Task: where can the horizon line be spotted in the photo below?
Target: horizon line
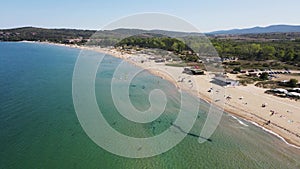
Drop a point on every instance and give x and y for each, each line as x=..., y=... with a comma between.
x=216, y=30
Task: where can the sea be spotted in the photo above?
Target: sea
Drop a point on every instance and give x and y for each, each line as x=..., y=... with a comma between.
x=39, y=127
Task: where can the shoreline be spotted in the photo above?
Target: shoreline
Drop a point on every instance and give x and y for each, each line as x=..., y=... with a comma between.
x=233, y=115
x=260, y=122
x=288, y=137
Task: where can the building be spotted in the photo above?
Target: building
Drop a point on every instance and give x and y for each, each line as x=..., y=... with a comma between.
x=193, y=71
x=159, y=60
x=197, y=72
x=223, y=81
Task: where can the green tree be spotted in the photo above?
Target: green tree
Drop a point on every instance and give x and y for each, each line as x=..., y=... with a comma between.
x=264, y=76
x=290, y=55
x=253, y=50
x=237, y=69
x=281, y=54
x=219, y=50
x=292, y=83
x=268, y=52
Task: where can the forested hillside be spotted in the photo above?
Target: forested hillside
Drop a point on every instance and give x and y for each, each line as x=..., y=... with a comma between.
x=282, y=47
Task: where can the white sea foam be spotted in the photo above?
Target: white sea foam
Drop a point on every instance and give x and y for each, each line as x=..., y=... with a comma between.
x=240, y=121
x=275, y=134
x=265, y=129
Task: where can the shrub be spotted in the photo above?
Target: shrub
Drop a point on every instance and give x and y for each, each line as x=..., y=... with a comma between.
x=237, y=69
x=264, y=76
x=292, y=83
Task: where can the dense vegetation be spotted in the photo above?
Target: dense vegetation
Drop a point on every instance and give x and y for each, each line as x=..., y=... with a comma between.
x=276, y=50
x=40, y=34
x=159, y=42
x=286, y=51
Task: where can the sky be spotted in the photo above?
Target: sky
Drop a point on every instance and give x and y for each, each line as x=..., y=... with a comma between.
x=206, y=15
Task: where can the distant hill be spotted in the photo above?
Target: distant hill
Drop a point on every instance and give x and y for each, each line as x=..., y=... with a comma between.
x=130, y=32
x=43, y=34
x=258, y=30
x=75, y=36
x=278, y=42
x=60, y=35
x=111, y=37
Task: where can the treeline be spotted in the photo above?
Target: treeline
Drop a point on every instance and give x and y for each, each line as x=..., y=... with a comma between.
x=273, y=36
x=286, y=51
x=160, y=42
x=283, y=47
x=40, y=34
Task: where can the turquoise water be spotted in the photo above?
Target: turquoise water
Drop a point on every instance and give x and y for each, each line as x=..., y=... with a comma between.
x=39, y=127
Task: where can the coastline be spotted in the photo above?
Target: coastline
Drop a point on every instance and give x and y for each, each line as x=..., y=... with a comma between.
x=291, y=138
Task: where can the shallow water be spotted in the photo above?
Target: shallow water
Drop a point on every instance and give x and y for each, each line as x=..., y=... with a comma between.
x=39, y=127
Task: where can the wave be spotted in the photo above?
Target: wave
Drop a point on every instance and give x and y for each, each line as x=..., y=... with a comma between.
x=240, y=121
x=275, y=134
x=265, y=129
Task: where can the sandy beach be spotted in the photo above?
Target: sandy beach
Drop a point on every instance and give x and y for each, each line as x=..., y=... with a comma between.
x=281, y=116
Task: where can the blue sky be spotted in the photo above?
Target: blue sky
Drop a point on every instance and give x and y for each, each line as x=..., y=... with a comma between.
x=208, y=15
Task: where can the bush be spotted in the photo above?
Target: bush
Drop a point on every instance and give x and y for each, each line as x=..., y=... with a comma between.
x=232, y=63
x=292, y=83
x=237, y=69
x=264, y=76
x=265, y=65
